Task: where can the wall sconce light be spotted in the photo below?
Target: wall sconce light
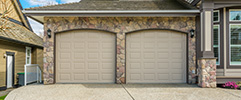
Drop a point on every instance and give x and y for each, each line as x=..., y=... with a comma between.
x=49, y=33
x=192, y=33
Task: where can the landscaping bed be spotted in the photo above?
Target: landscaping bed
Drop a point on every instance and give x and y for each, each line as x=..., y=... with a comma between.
x=232, y=85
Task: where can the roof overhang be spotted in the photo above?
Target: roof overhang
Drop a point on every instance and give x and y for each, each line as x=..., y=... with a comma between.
x=39, y=15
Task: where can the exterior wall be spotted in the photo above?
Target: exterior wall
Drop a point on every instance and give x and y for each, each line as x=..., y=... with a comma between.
x=119, y=25
x=19, y=51
x=37, y=57
x=20, y=55
x=207, y=72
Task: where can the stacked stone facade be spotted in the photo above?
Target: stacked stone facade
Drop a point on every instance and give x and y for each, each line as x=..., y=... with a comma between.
x=207, y=72
x=120, y=26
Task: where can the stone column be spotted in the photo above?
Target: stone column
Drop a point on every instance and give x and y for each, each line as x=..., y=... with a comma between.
x=120, y=56
x=207, y=72
x=48, y=68
x=207, y=62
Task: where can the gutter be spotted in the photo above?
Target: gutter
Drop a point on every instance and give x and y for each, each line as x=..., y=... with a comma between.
x=113, y=12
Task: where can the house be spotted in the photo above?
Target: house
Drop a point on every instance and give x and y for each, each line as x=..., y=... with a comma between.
x=18, y=44
x=149, y=41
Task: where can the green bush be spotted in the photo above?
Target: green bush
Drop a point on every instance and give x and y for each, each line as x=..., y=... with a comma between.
x=3, y=97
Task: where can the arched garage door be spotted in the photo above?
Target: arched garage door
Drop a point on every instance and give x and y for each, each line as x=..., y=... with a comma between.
x=85, y=56
x=156, y=56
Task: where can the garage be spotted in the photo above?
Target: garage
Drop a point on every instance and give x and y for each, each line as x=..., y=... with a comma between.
x=156, y=56
x=85, y=56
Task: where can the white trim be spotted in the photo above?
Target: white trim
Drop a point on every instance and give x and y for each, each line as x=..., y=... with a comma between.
x=225, y=41
x=113, y=12
x=218, y=43
x=230, y=15
x=30, y=56
x=230, y=44
x=218, y=15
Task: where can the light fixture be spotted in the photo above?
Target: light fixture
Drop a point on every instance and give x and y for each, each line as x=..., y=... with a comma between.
x=49, y=33
x=192, y=33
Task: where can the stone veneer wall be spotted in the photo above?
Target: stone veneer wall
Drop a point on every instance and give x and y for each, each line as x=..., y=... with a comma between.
x=207, y=72
x=119, y=25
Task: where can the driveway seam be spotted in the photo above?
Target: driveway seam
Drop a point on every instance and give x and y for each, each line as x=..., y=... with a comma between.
x=128, y=92
x=231, y=93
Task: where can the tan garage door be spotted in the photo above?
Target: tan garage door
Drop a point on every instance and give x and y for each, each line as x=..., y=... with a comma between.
x=156, y=56
x=85, y=56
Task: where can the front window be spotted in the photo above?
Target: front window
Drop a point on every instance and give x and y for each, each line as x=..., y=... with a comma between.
x=235, y=15
x=235, y=44
x=216, y=16
x=28, y=55
x=216, y=44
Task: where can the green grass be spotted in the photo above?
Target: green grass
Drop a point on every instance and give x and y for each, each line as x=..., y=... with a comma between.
x=3, y=97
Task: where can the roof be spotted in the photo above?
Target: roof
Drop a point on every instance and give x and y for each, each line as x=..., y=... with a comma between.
x=22, y=16
x=94, y=5
x=193, y=2
x=20, y=34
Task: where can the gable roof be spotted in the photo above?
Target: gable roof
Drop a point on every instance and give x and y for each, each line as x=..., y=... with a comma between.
x=20, y=34
x=15, y=14
x=95, y=5
x=22, y=15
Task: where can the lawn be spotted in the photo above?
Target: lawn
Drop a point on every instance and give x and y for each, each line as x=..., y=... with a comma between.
x=3, y=97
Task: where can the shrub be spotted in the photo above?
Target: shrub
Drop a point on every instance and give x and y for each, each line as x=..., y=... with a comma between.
x=231, y=85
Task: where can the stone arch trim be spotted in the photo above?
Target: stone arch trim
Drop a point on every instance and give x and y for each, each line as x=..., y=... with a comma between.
x=157, y=29
x=58, y=32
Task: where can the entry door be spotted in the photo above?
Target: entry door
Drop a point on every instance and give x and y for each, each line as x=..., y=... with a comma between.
x=9, y=71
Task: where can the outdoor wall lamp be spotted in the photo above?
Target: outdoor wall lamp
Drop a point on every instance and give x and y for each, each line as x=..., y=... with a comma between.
x=49, y=33
x=192, y=33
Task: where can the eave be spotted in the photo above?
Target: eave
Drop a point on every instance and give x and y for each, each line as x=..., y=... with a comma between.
x=39, y=15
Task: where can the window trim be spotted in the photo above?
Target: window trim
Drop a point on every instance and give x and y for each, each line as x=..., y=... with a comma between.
x=30, y=56
x=218, y=16
x=219, y=51
x=229, y=13
x=230, y=45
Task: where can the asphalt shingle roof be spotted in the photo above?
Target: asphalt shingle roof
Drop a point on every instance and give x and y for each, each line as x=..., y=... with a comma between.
x=95, y=5
x=20, y=33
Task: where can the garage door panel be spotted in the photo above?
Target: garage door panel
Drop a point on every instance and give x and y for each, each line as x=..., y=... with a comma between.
x=64, y=66
x=162, y=65
x=149, y=76
x=135, y=55
x=157, y=57
x=79, y=76
x=88, y=57
x=134, y=65
x=163, y=77
x=79, y=65
x=79, y=45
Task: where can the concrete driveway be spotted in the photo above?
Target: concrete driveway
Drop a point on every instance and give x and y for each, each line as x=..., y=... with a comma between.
x=122, y=92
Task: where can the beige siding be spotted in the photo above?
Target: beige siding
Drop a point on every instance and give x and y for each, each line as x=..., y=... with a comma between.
x=19, y=51
x=13, y=12
x=37, y=57
x=220, y=72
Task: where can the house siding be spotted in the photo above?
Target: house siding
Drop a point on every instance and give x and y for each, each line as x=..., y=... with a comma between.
x=20, y=55
x=19, y=51
x=121, y=26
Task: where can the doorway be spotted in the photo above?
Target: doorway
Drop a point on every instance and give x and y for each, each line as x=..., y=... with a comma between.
x=10, y=69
